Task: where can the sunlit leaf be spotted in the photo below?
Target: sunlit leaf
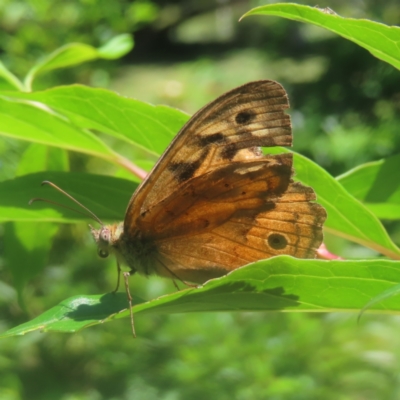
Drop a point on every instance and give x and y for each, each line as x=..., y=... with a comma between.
x=27, y=243
x=386, y=294
x=381, y=40
x=75, y=313
x=139, y=123
x=117, y=47
x=377, y=185
x=10, y=77
x=26, y=248
x=77, y=53
x=106, y=196
x=277, y=284
x=38, y=158
x=34, y=123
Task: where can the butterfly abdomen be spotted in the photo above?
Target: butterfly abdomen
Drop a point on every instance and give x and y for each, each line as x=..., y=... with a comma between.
x=137, y=253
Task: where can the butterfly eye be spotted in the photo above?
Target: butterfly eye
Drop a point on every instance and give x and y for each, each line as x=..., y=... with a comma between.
x=103, y=253
x=105, y=235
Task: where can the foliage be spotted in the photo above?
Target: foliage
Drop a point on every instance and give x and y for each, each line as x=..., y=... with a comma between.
x=379, y=39
x=65, y=118
x=85, y=108
x=32, y=29
x=67, y=56
x=280, y=283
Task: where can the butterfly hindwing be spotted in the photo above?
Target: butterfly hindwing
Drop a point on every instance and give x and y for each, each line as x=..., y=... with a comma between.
x=260, y=215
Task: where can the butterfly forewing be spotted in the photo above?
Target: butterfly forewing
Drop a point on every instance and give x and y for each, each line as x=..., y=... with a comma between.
x=249, y=116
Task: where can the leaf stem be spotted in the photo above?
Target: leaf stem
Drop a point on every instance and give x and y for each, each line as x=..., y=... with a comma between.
x=393, y=254
x=324, y=254
x=131, y=167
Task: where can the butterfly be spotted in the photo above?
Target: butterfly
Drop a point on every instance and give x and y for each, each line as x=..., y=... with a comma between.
x=214, y=202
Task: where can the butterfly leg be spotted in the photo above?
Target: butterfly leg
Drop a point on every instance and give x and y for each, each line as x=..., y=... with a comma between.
x=128, y=294
x=192, y=285
x=175, y=276
x=119, y=277
x=175, y=284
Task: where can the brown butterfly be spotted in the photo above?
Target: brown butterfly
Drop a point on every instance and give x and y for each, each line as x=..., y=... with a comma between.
x=214, y=202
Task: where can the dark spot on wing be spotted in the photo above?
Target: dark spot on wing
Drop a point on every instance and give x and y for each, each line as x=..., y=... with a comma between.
x=249, y=213
x=210, y=139
x=229, y=151
x=170, y=213
x=183, y=171
x=244, y=117
x=277, y=241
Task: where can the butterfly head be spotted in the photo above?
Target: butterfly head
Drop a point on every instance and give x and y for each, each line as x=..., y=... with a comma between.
x=106, y=238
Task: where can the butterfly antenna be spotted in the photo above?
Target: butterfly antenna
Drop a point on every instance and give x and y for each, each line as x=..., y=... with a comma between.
x=59, y=205
x=88, y=212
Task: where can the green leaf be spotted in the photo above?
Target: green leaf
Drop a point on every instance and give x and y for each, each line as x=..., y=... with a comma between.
x=75, y=313
x=38, y=158
x=279, y=283
x=27, y=244
x=77, y=53
x=386, y=294
x=10, y=77
x=117, y=47
x=377, y=185
x=106, y=196
x=35, y=123
x=347, y=217
x=381, y=40
x=139, y=123
x=26, y=248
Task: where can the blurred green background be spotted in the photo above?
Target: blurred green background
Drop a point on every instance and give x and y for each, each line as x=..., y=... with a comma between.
x=345, y=111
